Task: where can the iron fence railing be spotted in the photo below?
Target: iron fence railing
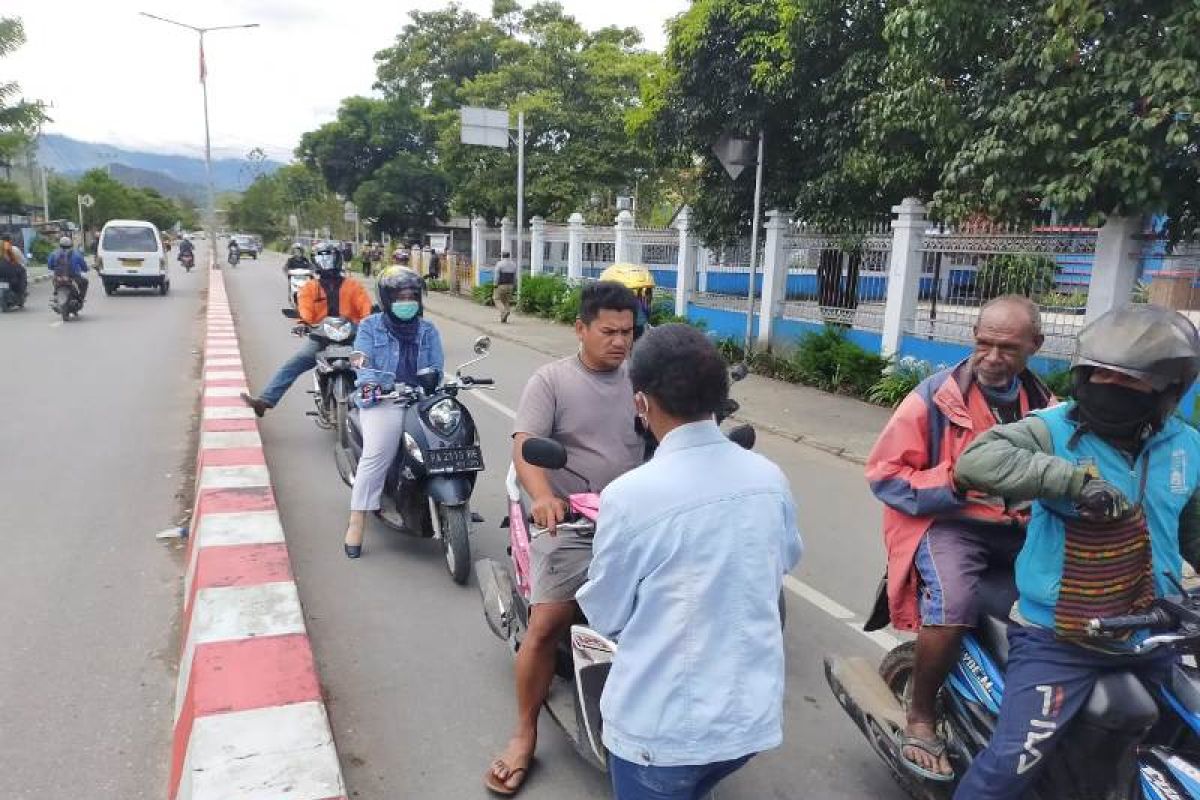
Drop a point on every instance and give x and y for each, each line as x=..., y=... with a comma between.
x=964, y=268
x=838, y=277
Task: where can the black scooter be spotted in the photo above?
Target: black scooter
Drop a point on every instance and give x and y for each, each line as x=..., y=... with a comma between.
x=429, y=486
x=10, y=298
x=66, y=300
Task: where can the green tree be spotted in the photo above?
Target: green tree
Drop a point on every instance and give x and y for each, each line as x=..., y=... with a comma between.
x=1094, y=109
x=11, y=201
x=798, y=70
x=405, y=196
x=18, y=118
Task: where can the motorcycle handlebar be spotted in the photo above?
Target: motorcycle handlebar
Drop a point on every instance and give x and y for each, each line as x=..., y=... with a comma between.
x=1155, y=618
x=483, y=382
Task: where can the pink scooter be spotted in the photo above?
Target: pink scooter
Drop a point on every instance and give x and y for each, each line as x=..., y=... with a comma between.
x=586, y=657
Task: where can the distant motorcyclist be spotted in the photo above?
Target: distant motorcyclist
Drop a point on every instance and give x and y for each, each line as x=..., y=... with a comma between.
x=67, y=260
x=330, y=294
x=235, y=252
x=297, y=259
x=1116, y=491
x=186, y=248
x=12, y=266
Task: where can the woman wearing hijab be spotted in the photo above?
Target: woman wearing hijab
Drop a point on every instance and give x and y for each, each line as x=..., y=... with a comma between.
x=392, y=347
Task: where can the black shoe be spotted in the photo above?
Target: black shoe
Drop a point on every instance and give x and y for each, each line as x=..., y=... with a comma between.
x=260, y=406
x=352, y=550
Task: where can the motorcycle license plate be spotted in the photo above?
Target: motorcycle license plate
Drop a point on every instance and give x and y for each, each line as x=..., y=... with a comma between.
x=131, y=262
x=455, y=459
x=337, y=351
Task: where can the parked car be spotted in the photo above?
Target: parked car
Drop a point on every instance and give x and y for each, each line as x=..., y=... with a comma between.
x=130, y=253
x=247, y=246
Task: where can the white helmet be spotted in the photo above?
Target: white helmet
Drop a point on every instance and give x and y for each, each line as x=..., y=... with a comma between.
x=66, y=242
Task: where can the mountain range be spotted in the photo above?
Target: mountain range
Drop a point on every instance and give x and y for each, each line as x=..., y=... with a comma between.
x=171, y=174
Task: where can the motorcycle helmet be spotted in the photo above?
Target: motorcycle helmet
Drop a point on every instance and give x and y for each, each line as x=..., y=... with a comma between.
x=66, y=243
x=399, y=285
x=1152, y=344
x=327, y=258
x=400, y=257
x=298, y=249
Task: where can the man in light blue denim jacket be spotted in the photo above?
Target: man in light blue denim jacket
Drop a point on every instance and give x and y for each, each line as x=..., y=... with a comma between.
x=690, y=553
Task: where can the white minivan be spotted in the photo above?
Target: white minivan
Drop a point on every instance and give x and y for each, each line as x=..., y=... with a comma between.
x=131, y=253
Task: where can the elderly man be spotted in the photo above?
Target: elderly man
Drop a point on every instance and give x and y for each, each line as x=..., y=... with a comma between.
x=941, y=542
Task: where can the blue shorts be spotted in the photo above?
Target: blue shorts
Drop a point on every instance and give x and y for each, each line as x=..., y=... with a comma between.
x=951, y=559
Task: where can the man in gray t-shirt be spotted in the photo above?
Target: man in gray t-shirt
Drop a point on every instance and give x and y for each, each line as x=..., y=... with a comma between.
x=586, y=403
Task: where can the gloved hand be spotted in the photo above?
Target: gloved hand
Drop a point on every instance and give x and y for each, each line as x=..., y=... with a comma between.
x=1100, y=501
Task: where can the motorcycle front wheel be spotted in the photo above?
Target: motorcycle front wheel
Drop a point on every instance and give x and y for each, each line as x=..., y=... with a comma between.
x=456, y=521
x=341, y=443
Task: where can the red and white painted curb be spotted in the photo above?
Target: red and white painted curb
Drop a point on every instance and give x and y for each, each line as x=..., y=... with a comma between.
x=250, y=722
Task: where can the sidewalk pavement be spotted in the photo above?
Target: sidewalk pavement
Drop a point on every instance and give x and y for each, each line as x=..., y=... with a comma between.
x=843, y=426
x=37, y=274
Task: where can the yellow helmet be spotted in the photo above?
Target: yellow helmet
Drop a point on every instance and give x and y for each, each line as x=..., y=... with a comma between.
x=631, y=276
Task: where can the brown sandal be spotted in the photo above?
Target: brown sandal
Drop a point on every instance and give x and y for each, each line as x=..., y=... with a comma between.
x=494, y=784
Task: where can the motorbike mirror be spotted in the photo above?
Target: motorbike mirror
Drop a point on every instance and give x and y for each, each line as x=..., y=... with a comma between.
x=544, y=453
x=290, y=313
x=739, y=371
x=482, y=346
x=743, y=436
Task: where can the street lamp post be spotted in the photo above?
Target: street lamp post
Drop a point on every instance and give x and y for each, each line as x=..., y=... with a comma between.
x=212, y=199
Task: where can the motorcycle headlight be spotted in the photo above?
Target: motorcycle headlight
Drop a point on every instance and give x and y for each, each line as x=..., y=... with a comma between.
x=444, y=416
x=413, y=449
x=337, y=330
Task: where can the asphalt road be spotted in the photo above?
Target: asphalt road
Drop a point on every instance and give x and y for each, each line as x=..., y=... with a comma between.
x=420, y=692
x=95, y=417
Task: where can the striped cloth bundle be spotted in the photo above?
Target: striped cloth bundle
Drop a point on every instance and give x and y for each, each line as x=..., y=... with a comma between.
x=1107, y=571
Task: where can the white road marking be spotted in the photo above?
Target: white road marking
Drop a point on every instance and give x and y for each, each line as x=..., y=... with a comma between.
x=794, y=585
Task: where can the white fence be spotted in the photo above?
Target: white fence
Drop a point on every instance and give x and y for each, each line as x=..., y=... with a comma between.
x=906, y=276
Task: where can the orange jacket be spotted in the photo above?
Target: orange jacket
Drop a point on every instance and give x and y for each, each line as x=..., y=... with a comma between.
x=353, y=302
x=911, y=470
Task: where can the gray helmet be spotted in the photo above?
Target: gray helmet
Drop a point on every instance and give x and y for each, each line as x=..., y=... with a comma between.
x=1150, y=343
x=65, y=242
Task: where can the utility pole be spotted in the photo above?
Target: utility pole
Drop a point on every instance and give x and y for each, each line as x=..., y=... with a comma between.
x=211, y=222
x=758, y=181
x=520, y=193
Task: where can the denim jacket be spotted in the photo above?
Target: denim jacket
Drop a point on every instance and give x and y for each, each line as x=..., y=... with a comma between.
x=382, y=350
x=689, y=555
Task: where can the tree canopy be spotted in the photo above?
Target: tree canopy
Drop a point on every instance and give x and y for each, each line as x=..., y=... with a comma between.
x=575, y=86
x=294, y=189
x=1004, y=108
x=115, y=200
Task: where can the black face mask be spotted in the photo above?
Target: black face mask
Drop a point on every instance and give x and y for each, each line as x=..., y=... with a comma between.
x=1118, y=412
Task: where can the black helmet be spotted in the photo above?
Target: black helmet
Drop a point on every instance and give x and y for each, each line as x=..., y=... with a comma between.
x=1150, y=343
x=327, y=258
x=395, y=279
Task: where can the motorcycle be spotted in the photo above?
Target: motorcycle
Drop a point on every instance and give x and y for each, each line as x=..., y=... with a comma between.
x=66, y=299
x=333, y=378
x=1129, y=741
x=585, y=658
x=432, y=478
x=235, y=255
x=10, y=298
x=296, y=280
x=188, y=260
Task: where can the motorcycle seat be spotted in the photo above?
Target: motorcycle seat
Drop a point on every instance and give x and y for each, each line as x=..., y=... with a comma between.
x=1120, y=702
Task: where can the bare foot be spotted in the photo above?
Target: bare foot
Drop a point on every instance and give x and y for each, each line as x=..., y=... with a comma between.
x=510, y=767
x=931, y=761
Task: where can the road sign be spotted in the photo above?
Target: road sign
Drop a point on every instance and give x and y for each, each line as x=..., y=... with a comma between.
x=734, y=153
x=86, y=200
x=485, y=126
x=293, y=223
x=351, y=214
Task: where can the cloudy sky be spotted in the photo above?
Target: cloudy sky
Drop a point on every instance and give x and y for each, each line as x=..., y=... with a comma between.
x=119, y=78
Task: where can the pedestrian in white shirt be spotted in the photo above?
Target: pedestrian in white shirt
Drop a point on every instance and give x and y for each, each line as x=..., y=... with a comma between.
x=690, y=553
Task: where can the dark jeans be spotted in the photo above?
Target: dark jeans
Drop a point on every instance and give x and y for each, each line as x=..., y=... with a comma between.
x=1046, y=683
x=304, y=360
x=636, y=782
